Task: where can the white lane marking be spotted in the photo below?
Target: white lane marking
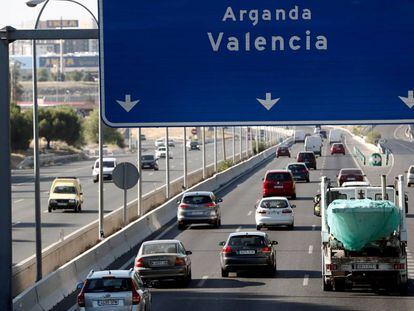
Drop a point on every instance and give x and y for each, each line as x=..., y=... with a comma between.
x=151, y=174
x=238, y=229
x=306, y=280
x=396, y=130
x=202, y=281
x=310, y=251
x=313, y=227
x=16, y=223
x=249, y=213
x=18, y=201
x=45, y=211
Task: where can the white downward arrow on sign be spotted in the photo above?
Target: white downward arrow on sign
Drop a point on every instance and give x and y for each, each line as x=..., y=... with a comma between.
x=409, y=101
x=268, y=103
x=128, y=104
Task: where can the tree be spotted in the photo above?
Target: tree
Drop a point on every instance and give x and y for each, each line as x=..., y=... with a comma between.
x=74, y=75
x=15, y=76
x=59, y=124
x=20, y=128
x=90, y=130
x=43, y=75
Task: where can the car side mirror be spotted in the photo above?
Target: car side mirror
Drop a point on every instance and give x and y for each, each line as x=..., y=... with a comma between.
x=79, y=286
x=293, y=206
x=275, y=243
x=188, y=252
x=178, y=201
x=222, y=243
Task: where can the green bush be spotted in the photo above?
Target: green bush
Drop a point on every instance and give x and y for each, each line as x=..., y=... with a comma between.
x=90, y=131
x=262, y=147
x=224, y=165
x=21, y=130
x=373, y=137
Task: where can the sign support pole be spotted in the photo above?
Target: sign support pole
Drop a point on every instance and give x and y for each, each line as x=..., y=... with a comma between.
x=234, y=145
x=215, y=149
x=139, y=155
x=203, y=142
x=185, y=156
x=247, y=141
x=125, y=196
x=167, y=165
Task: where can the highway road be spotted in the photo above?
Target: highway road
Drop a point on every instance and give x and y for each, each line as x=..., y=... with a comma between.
x=61, y=223
x=297, y=284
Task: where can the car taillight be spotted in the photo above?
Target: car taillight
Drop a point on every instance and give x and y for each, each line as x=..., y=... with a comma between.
x=331, y=267
x=136, y=298
x=183, y=205
x=139, y=262
x=286, y=211
x=399, y=266
x=261, y=211
x=266, y=249
x=81, y=298
x=226, y=250
x=210, y=204
x=179, y=261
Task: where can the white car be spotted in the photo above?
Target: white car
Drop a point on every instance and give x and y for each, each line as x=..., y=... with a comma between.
x=160, y=142
x=109, y=165
x=274, y=211
x=161, y=152
x=410, y=176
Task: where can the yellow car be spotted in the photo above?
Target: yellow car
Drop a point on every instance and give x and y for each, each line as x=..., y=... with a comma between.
x=65, y=193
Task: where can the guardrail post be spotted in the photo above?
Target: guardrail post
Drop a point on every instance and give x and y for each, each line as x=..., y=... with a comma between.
x=139, y=155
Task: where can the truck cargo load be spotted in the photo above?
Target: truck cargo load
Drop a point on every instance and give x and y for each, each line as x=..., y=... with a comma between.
x=355, y=223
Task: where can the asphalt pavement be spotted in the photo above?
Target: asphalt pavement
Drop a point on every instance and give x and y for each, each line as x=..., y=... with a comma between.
x=297, y=284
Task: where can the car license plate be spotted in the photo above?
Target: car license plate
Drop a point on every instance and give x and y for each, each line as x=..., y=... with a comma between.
x=62, y=204
x=365, y=266
x=159, y=263
x=247, y=252
x=278, y=187
x=351, y=178
x=197, y=213
x=105, y=176
x=108, y=302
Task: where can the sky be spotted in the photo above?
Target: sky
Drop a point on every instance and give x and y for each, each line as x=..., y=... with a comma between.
x=17, y=14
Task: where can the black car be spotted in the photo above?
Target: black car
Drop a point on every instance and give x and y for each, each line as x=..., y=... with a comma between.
x=247, y=250
x=307, y=157
x=299, y=171
x=149, y=161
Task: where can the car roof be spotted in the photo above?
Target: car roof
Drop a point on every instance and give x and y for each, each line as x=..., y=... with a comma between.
x=160, y=242
x=65, y=183
x=302, y=152
x=273, y=198
x=278, y=171
x=296, y=163
x=337, y=144
x=355, y=184
x=350, y=169
x=247, y=233
x=114, y=273
x=186, y=194
x=107, y=159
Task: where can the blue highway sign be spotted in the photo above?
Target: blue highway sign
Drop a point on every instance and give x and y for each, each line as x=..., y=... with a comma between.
x=244, y=62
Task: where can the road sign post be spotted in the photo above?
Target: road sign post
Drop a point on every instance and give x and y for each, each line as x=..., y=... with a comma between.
x=125, y=176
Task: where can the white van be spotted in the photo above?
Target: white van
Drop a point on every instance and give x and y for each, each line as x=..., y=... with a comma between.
x=299, y=136
x=314, y=143
x=108, y=167
x=335, y=136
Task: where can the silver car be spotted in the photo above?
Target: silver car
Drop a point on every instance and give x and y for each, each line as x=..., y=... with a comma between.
x=198, y=208
x=113, y=290
x=410, y=176
x=163, y=260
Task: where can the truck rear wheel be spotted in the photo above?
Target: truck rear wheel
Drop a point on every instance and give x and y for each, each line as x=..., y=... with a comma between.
x=326, y=286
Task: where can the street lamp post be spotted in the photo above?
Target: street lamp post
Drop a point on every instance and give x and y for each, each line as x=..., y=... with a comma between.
x=38, y=230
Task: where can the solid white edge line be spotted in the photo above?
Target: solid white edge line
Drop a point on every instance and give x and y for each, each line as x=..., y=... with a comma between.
x=18, y=201
x=202, y=281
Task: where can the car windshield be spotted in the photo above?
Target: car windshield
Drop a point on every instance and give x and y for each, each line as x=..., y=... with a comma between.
x=108, y=285
x=248, y=240
x=197, y=199
x=162, y=149
x=296, y=167
x=65, y=189
x=283, y=149
x=274, y=204
x=278, y=177
x=411, y=170
x=351, y=172
x=159, y=248
x=147, y=157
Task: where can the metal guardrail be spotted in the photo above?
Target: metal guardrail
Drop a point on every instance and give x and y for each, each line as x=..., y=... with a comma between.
x=360, y=155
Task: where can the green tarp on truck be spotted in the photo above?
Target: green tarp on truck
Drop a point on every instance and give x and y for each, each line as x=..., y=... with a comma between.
x=355, y=223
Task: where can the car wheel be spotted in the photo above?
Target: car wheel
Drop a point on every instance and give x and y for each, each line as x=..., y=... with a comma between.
x=291, y=227
x=156, y=168
x=294, y=196
x=49, y=209
x=307, y=180
x=181, y=227
x=224, y=273
x=326, y=287
x=258, y=227
x=80, y=208
x=95, y=180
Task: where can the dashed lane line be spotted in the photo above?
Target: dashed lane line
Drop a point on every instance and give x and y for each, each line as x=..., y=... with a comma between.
x=249, y=213
x=310, y=251
x=305, y=280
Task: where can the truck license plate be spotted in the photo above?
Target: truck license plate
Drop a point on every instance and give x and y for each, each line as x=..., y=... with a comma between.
x=365, y=266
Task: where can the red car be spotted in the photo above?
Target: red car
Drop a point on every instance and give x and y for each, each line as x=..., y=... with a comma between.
x=279, y=183
x=350, y=174
x=337, y=148
x=282, y=152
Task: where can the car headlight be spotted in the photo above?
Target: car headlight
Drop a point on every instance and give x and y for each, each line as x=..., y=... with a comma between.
x=72, y=201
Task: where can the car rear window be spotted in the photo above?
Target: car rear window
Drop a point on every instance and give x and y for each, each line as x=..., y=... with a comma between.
x=197, y=199
x=65, y=189
x=274, y=204
x=412, y=170
x=108, y=285
x=278, y=177
x=249, y=241
x=147, y=157
x=296, y=167
x=159, y=248
x=337, y=145
x=351, y=172
x=305, y=156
